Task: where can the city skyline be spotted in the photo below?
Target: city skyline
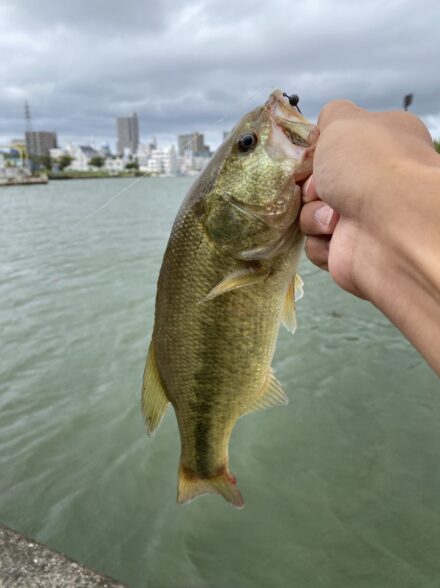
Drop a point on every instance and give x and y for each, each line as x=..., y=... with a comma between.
x=19, y=135
x=149, y=58
x=41, y=150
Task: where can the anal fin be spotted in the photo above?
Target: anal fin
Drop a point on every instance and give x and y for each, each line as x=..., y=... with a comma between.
x=271, y=395
x=154, y=400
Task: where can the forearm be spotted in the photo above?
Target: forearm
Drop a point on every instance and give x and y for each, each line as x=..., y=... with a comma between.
x=404, y=274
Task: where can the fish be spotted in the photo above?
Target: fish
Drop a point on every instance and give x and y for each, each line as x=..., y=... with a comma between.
x=227, y=281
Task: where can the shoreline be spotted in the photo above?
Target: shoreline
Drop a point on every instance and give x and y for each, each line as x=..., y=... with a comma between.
x=29, y=181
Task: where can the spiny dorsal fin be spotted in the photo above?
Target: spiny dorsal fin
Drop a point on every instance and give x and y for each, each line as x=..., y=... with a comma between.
x=272, y=395
x=294, y=292
x=154, y=400
x=237, y=279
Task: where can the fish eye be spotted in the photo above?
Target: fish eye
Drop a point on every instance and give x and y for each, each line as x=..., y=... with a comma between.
x=247, y=142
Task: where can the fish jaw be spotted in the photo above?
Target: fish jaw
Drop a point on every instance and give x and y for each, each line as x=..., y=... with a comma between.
x=292, y=136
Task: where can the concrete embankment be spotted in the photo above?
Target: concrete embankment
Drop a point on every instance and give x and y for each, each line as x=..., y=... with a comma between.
x=24, y=563
x=23, y=180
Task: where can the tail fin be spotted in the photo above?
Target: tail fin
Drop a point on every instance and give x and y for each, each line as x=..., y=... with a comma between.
x=190, y=487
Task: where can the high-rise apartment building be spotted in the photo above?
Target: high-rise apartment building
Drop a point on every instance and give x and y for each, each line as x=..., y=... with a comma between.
x=128, y=134
x=39, y=143
x=193, y=142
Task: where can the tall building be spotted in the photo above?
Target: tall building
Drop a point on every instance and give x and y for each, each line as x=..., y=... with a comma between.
x=193, y=142
x=39, y=143
x=128, y=134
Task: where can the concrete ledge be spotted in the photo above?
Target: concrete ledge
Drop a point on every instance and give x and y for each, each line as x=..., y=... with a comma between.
x=24, y=563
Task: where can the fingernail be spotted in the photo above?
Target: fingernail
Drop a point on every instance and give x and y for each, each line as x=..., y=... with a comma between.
x=306, y=185
x=324, y=215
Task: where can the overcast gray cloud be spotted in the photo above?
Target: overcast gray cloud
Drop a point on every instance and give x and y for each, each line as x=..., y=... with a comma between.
x=181, y=65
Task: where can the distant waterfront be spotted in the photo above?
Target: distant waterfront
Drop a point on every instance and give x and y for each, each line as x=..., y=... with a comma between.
x=25, y=180
x=93, y=175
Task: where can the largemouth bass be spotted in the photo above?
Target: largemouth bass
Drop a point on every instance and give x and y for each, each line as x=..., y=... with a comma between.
x=228, y=279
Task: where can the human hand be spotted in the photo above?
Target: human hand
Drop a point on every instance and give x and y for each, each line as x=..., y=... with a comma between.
x=362, y=191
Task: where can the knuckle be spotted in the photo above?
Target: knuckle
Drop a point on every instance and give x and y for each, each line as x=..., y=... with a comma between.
x=334, y=109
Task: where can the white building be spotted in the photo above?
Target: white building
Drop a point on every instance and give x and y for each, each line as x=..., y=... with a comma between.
x=114, y=165
x=81, y=157
x=191, y=164
x=105, y=151
x=200, y=162
x=162, y=161
x=57, y=153
x=143, y=155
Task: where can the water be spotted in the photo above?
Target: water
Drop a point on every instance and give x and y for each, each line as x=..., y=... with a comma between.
x=342, y=487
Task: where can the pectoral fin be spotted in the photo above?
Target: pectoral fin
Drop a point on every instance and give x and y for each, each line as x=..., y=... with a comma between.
x=271, y=395
x=238, y=279
x=294, y=292
x=154, y=400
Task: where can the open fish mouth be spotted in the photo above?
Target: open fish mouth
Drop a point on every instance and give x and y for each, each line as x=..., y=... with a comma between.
x=289, y=118
x=292, y=135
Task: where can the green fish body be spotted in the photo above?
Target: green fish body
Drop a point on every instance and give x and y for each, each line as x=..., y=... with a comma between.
x=228, y=278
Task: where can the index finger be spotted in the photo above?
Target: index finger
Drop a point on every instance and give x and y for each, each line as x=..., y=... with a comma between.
x=337, y=109
x=309, y=190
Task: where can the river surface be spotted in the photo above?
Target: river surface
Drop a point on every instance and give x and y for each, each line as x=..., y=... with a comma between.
x=342, y=487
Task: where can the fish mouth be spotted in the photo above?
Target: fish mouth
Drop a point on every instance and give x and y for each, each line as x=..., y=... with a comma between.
x=292, y=135
x=295, y=126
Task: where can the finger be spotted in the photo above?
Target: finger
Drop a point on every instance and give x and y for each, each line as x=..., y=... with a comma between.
x=338, y=109
x=318, y=218
x=309, y=190
x=317, y=250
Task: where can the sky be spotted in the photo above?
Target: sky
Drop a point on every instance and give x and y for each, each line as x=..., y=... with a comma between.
x=187, y=65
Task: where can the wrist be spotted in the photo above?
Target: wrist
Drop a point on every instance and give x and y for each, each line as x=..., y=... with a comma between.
x=401, y=271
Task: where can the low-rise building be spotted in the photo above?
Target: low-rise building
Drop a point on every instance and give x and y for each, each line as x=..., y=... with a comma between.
x=191, y=164
x=82, y=154
x=57, y=153
x=142, y=156
x=114, y=165
x=162, y=161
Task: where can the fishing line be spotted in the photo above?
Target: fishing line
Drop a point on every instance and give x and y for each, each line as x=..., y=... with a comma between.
x=54, y=240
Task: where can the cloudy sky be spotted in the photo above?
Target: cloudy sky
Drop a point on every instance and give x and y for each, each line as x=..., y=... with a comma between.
x=185, y=64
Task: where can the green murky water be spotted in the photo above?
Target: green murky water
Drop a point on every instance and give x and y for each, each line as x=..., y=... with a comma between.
x=342, y=487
